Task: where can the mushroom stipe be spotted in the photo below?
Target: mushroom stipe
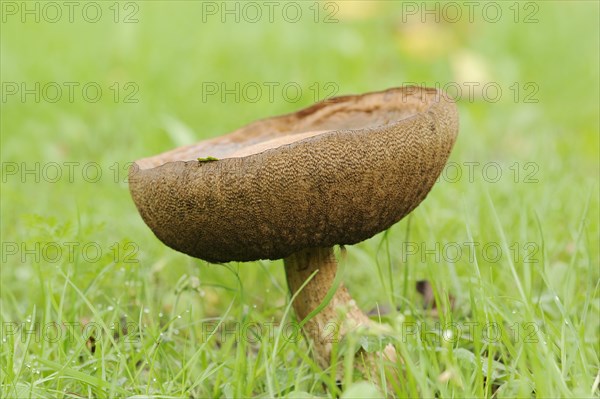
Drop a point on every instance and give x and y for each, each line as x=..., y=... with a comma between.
x=292, y=187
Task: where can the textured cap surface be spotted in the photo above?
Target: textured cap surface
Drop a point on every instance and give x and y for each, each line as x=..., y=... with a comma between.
x=377, y=158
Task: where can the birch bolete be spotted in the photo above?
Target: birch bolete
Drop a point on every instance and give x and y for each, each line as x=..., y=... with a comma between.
x=292, y=187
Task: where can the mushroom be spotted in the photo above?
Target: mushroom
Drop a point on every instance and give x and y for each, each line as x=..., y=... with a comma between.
x=292, y=187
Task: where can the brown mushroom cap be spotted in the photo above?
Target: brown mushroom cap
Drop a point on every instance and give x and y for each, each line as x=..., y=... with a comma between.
x=377, y=157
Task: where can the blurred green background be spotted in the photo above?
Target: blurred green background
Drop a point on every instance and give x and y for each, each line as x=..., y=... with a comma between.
x=156, y=62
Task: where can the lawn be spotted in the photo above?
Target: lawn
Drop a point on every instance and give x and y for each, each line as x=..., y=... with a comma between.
x=94, y=305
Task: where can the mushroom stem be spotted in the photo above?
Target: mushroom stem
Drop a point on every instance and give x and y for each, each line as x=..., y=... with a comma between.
x=322, y=327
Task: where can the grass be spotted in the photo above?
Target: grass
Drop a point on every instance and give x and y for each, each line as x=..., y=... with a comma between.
x=93, y=305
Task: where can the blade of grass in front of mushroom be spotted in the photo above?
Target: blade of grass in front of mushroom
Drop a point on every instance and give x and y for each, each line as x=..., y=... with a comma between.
x=330, y=293
x=405, y=264
x=390, y=276
x=288, y=307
